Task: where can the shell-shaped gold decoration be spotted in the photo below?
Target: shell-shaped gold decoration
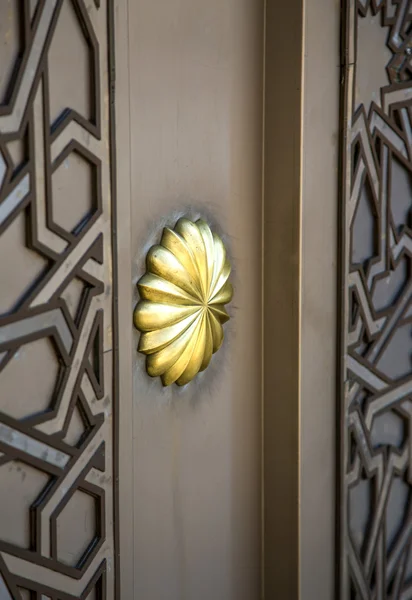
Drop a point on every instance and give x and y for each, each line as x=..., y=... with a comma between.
x=182, y=308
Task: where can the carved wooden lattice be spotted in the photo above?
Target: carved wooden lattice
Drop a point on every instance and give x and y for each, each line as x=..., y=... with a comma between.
x=376, y=408
x=57, y=368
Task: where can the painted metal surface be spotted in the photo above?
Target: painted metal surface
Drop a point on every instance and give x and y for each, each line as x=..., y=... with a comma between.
x=194, y=132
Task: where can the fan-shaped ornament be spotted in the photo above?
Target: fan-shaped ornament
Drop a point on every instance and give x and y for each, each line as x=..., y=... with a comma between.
x=182, y=308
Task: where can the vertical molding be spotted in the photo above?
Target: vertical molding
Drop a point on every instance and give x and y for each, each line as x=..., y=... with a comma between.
x=124, y=301
x=115, y=283
x=300, y=274
x=346, y=66
x=318, y=348
x=282, y=230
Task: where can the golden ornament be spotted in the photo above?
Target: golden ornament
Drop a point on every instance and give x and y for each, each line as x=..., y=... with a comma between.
x=183, y=293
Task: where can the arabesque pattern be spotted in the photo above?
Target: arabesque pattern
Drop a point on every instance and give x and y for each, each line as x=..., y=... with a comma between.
x=376, y=399
x=57, y=363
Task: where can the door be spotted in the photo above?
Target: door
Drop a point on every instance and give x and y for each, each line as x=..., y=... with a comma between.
x=282, y=468
x=117, y=119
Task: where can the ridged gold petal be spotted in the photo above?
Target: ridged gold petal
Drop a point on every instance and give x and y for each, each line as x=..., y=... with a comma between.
x=179, y=367
x=222, y=277
x=224, y=295
x=160, y=362
x=190, y=232
x=180, y=249
x=182, y=307
x=155, y=289
x=163, y=263
x=217, y=331
x=208, y=351
x=195, y=362
x=152, y=316
x=219, y=311
x=219, y=263
x=209, y=247
x=156, y=340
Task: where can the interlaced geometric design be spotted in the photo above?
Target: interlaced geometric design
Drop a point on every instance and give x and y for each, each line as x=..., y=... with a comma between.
x=376, y=400
x=57, y=359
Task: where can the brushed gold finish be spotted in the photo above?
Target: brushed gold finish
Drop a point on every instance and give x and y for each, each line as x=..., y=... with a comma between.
x=182, y=308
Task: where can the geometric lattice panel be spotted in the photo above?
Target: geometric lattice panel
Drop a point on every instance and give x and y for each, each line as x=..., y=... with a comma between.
x=57, y=360
x=375, y=499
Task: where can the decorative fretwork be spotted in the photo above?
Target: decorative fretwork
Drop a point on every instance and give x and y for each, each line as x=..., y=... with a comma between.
x=57, y=363
x=376, y=400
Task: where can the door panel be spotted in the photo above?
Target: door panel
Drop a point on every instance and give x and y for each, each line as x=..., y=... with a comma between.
x=57, y=335
x=195, y=76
